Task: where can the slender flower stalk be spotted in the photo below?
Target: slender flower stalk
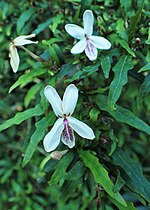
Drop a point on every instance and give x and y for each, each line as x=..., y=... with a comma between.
x=65, y=125
x=13, y=53
x=88, y=42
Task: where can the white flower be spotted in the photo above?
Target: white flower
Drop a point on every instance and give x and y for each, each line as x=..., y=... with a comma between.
x=87, y=42
x=13, y=53
x=65, y=126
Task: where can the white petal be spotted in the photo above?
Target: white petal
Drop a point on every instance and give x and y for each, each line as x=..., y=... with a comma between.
x=88, y=20
x=14, y=57
x=52, y=139
x=100, y=42
x=54, y=99
x=81, y=128
x=79, y=47
x=91, y=51
x=70, y=99
x=75, y=31
x=22, y=40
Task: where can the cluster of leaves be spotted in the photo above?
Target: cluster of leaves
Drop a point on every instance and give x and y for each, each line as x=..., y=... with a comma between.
x=105, y=173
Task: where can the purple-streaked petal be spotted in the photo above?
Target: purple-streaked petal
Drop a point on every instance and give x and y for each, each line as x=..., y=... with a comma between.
x=75, y=31
x=91, y=51
x=54, y=99
x=88, y=21
x=70, y=99
x=100, y=42
x=14, y=57
x=23, y=40
x=81, y=128
x=67, y=136
x=52, y=139
x=79, y=47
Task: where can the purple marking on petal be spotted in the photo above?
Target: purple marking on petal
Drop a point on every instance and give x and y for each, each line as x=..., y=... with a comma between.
x=67, y=133
x=90, y=47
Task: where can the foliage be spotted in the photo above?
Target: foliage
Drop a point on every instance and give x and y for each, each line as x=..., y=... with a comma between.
x=110, y=172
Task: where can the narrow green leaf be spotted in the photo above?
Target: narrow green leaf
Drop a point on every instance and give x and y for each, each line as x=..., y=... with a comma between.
x=145, y=68
x=134, y=22
x=60, y=171
x=106, y=65
x=114, y=141
x=132, y=174
x=27, y=78
x=25, y=16
x=120, y=79
x=130, y=205
x=31, y=93
x=75, y=172
x=144, y=90
x=125, y=45
x=123, y=115
x=100, y=175
x=41, y=27
x=37, y=136
x=22, y=116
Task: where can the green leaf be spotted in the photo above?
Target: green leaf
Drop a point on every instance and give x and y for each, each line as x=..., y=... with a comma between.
x=122, y=115
x=125, y=45
x=31, y=94
x=121, y=31
x=94, y=114
x=86, y=71
x=130, y=205
x=120, y=79
x=134, y=22
x=75, y=172
x=37, y=136
x=145, y=68
x=106, y=65
x=27, y=78
x=60, y=171
x=22, y=116
x=100, y=175
x=132, y=174
x=114, y=141
x=41, y=27
x=25, y=16
x=127, y=5
x=144, y=90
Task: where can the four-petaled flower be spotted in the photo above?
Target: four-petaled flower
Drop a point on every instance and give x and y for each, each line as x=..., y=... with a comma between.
x=13, y=53
x=87, y=42
x=65, y=126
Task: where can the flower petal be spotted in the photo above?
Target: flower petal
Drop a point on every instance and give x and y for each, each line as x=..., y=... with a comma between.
x=70, y=98
x=81, y=128
x=79, y=47
x=75, y=31
x=22, y=40
x=54, y=99
x=100, y=42
x=67, y=136
x=52, y=139
x=88, y=21
x=91, y=51
x=14, y=57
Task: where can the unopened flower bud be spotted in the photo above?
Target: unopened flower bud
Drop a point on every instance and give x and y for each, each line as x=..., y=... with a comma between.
x=57, y=155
